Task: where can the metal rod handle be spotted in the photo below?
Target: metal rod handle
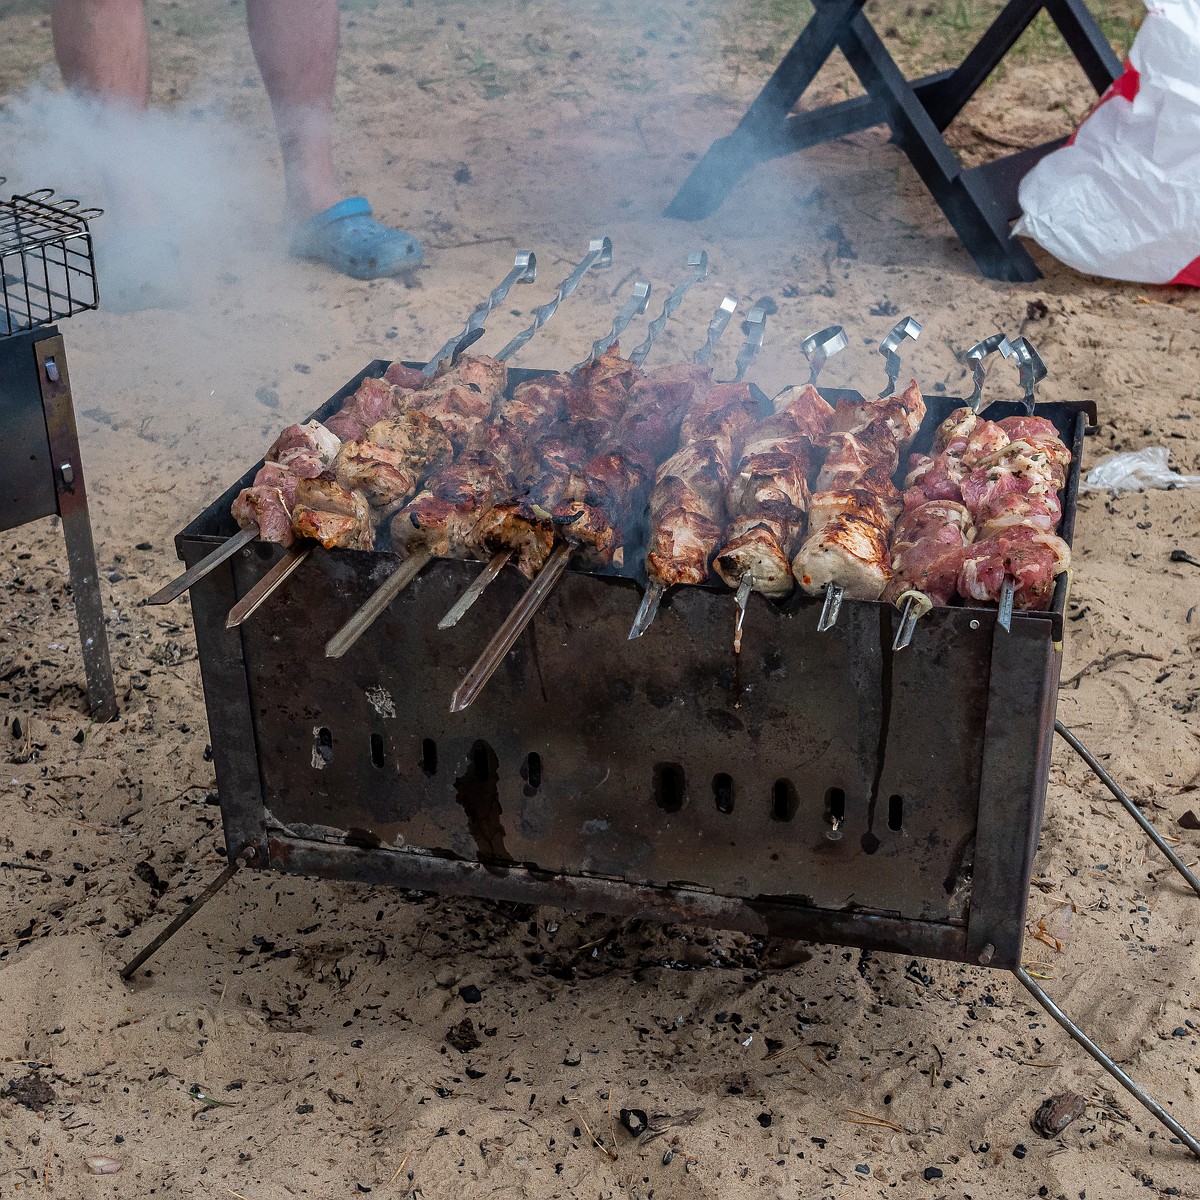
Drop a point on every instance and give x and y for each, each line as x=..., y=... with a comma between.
x=975, y=357
x=599, y=255
x=698, y=261
x=716, y=327
x=820, y=347
x=1030, y=368
x=633, y=307
x=908, y=328
x=755, y=326
x=524, y=270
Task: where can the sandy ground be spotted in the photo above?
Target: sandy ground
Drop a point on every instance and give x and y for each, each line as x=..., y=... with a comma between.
x=317, y=1014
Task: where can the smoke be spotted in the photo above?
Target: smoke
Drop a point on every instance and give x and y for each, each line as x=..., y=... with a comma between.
x=182, y=189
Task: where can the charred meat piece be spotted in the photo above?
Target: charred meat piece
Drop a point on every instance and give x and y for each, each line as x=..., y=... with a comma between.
x=807, y=411
x=849, y=550
x=757, y=546
x=333, y=515
x=682, y=544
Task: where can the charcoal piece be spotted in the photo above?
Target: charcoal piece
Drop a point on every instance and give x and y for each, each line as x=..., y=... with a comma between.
x=463, y=1036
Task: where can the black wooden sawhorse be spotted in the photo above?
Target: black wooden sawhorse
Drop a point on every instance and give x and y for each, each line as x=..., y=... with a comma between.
x=980, y=202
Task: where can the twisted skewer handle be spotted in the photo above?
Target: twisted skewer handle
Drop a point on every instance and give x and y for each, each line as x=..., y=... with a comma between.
x=908, y=328
x=975, y=357
x=1031, y=369
x=755, y=326
x=633, y=307
x=698, y=261
x=716, y=327
x=599, y=255
x=524, y=270
x=820, y=347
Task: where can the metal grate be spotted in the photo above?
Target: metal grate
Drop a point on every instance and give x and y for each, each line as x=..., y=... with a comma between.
x=47, y=267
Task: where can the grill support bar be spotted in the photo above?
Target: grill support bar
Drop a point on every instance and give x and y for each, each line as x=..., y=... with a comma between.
x=1077, y=1035
x=1131, y=808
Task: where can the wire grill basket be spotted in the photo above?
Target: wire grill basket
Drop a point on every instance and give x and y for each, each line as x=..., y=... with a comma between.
x=47, y=266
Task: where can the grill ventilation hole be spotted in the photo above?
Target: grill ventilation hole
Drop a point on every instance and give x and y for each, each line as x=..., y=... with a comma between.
x=895, y=813
x=835, y=812
x=429, y=756
x=377, y=749
x=669, y=786
x=723, y=792
x=532, y=771
x=322, y=754
x=784, y=801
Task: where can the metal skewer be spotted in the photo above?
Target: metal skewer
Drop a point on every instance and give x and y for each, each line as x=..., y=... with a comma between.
x=541, y=587
x=634, y=306
x=975, y=357
x=514, y=625
x=524, y=270
x=819, y=348
x=1031, y=368
x=916, y=605
x=208, y=564
x=599, y=255
x=908, y=328
x=258, y=595
x=754, y=327
x=743, y=598
x=1004, y=612
x=716, y=327
x=698, y=261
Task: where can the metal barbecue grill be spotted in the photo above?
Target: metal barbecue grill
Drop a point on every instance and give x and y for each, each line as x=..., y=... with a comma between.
x=47, y=273
x=804, y=788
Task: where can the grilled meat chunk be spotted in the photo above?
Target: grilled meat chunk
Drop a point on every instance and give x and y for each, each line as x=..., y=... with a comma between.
x=388, y=462
x=266, y=505
x=1032, y=557
x=333, y=515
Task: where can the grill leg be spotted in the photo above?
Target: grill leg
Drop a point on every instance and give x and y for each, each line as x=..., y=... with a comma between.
x=1131, y=808
x=1077, y=1035
x=77, y=528
x=188, y=913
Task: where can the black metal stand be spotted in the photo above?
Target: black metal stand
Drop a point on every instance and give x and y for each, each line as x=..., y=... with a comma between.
x=979, y=202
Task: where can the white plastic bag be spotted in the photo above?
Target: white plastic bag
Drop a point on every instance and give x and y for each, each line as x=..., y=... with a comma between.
x=1135, y=471
x=1122, y=200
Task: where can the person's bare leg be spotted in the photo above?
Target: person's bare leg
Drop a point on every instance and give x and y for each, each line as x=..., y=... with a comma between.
x=296, y=48
x=102, y=50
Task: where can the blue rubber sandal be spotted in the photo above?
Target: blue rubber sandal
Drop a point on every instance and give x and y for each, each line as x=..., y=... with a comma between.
x=347, y=238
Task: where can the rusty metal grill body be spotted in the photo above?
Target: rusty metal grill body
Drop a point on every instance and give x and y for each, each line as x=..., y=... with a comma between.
x=821, y=787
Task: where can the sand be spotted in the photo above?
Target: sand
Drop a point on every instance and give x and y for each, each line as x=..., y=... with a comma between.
x=318, y=1014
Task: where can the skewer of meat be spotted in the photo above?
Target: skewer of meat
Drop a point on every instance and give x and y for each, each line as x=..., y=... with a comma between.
x=547, y=390
x=501, y=526
x=653, y=421
x=460, y=418
x=396, y=376
x=1013, y=495
x=687, y=505
x=441, y=518
x=767, y=500
x=855, y=503
x=340, y=508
